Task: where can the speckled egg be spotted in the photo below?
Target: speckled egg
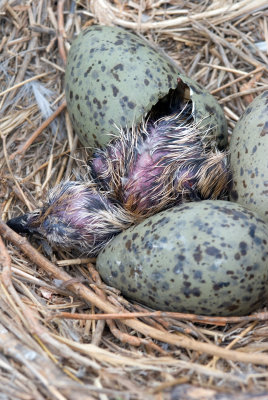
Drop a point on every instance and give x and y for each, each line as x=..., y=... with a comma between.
x=114, y=78
x=249, y=157
x=208, y=257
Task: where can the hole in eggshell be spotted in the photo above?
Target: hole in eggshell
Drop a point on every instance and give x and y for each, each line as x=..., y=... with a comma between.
x=177, y=100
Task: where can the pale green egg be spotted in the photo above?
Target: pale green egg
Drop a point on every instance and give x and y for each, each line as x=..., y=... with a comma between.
x=114, y=78
x=208, y=257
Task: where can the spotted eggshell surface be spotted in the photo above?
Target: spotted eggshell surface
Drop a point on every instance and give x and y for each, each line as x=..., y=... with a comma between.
x=208, y=257
x=249, y=157
x=113, y=78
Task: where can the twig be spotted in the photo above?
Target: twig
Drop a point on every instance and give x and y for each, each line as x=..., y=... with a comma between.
x=75, y=261
x=243, y=6
x=5, y=261
x=250, y=84
x=259, y=69
x=24, y=146
x=227, y=69
x=123, y=337
x=18, y=85
x=220, y=321
x=61, y=32
x=245, y=92
x=166, y=385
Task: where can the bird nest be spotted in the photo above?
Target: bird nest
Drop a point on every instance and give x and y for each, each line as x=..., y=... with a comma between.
x=64, y=333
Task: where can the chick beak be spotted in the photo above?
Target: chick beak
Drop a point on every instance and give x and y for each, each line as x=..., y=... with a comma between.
x=22, y=224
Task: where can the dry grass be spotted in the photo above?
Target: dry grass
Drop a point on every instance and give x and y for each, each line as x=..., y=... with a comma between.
x=44, y=353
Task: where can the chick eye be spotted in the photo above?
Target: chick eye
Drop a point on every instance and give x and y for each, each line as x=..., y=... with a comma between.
x=188, y=184
x=53, y=225
x=59, y=230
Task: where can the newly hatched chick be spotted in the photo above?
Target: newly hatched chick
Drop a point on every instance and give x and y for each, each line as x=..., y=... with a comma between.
x=75, y=216
x=146, y=169
x=161, y=164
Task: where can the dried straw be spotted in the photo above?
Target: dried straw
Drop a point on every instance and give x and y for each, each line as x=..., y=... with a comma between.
x=64, y=334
